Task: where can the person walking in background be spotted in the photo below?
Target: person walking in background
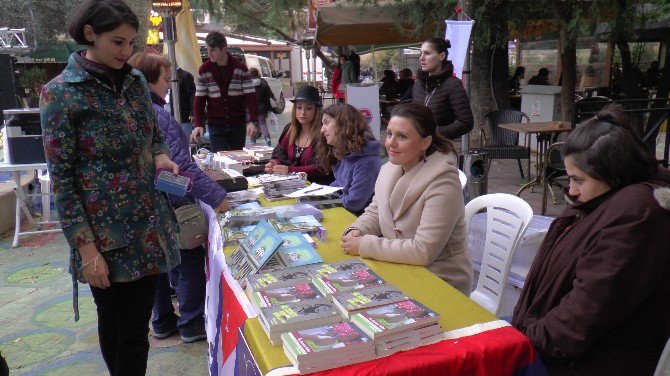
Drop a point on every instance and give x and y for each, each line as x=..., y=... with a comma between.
x=190, y=274
x=336, y=79
x=348, y=76
x=296, y=148
x=348, y=149
x=515, y=81
x=542, y=78
x=103, y=148
x=438, y=89
x=596, y=300
x=186, y=97
x=264, y=94
x=225, y=89
x=417, y=213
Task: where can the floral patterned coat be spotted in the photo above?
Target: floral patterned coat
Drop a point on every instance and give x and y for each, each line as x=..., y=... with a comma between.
x=100, y=144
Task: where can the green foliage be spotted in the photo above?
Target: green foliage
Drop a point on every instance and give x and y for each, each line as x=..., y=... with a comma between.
x=32, y=80
x=43, y=20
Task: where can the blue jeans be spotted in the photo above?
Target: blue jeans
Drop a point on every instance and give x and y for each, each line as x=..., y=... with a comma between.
x=188, y=129
x=190, y=287
x=227, y=138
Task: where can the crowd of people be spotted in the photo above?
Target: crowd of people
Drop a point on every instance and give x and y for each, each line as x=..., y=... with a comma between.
x=596, y=299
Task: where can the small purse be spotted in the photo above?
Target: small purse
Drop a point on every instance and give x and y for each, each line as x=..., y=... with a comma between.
x=193, y=226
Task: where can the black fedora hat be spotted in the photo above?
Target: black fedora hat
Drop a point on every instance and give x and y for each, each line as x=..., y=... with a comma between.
x=308, y=94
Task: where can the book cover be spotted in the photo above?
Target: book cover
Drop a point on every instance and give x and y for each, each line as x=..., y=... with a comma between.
x=339, y=266
x=259, y=231
x=350, y=301
x=286, y=316
x=287, y=294
x=326, y=340
x=348, y=281
x=392, y=318
x=233, y=235
x=279, y=278
x=299, y=255
x=302, y=223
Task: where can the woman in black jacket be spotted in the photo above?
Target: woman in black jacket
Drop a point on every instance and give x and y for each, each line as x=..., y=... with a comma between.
x=437, y=88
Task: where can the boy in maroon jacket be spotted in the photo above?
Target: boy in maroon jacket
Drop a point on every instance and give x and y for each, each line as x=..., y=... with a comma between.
x=225, y=89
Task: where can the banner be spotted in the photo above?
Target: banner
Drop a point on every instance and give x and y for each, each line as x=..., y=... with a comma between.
x=365, y=97
x=186, y=48
x=458, y=33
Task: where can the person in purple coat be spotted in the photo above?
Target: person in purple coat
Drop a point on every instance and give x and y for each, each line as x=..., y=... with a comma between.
x=350, y=151
x=189, y=276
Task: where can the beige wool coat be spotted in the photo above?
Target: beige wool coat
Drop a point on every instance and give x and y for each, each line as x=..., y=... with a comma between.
x=416, y=218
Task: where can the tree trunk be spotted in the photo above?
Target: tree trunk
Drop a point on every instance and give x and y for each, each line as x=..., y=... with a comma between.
x=142, y=9
x=568, y=50
x=489, y=73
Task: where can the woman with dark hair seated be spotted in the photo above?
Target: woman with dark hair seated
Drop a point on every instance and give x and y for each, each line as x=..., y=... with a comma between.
x=350, y=151
x=597, y=297
x=417, y=214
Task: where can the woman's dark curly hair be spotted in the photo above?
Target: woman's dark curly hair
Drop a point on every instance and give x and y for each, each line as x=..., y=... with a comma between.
x=351, y=134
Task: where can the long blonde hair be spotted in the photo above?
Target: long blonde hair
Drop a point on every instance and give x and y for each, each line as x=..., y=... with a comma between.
x=295, y=128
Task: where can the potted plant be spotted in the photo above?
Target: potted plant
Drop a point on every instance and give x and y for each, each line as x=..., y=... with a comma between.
x=32, y=80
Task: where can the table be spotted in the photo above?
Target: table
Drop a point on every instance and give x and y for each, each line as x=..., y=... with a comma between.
x=543, y=130
x=475, y=342
x=22, y=196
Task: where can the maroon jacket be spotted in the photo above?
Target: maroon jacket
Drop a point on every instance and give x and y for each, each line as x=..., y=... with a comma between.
x=284, y=153
x=597, y=297
x=226, y=97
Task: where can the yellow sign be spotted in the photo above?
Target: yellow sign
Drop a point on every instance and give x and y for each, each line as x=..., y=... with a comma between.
x=152, y=36
x=155, y=19
x=166, y=6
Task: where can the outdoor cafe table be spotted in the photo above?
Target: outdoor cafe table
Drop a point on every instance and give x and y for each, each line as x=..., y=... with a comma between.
x=543, y=130
x=475, y=342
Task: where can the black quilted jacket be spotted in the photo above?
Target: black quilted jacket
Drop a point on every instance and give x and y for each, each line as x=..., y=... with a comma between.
x=445, y=95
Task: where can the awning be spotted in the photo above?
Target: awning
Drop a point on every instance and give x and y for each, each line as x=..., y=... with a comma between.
x=343, y=24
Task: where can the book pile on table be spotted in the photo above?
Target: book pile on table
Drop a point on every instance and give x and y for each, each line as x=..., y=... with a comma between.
x=283, y=318
x=326, y=347
x=233, y=159
x=242, y=197
x=275, y=190
x=332, y=200
x=259, y=153
x=399, y=326
x=266, y=249
x=248, y=214
x=306, y=224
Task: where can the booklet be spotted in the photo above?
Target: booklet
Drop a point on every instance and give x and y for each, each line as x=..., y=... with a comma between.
x=314, y=189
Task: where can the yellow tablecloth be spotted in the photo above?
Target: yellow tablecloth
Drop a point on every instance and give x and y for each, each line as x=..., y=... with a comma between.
x=456, y=310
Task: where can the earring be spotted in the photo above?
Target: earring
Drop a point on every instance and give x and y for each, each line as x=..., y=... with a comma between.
x=423, y=156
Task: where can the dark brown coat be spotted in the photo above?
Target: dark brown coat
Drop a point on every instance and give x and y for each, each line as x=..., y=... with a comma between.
x=597, y=297
x=445, y=95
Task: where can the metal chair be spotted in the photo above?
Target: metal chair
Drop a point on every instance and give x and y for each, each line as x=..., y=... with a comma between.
x=587, y=108
x=507, y=219
x=553, y=169
x=505, y=143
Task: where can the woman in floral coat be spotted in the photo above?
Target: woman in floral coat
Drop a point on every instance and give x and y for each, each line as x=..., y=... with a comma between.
x=103, y=147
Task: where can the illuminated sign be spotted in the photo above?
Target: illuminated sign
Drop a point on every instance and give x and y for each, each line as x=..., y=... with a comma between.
x=169, y=7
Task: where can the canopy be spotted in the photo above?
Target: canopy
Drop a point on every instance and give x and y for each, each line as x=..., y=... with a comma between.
x=344, y=24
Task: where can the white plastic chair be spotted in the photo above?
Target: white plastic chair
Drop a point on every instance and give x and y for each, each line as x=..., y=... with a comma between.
x=507, y=219
x=663, y=367
x=45, y=185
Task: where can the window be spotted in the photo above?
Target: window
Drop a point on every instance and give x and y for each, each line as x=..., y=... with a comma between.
x=265, y=69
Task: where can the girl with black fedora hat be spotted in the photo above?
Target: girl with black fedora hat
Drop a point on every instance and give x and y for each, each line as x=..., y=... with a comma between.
x=296, y=149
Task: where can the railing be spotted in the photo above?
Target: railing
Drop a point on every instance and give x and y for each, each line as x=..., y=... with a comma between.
x=12, y=39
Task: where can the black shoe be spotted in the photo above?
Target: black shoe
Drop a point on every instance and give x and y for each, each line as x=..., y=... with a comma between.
x=198, y=333
x=166, y=334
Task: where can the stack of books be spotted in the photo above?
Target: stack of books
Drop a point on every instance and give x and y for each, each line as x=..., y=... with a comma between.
x=266, y=249
x=322, y=270
x=399, y=326
x=241, y=197
x=305, y=314
x=245, y=215
x=282, y=295
x=346, y=281
x=306, y=224
x=326, y=347
x=322, y=202
x=350, y=302
x=233, y=235
x=259, y=153
x=275, y=190
x=233, y=159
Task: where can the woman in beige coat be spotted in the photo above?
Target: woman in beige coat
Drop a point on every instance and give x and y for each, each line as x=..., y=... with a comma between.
x=416, y=215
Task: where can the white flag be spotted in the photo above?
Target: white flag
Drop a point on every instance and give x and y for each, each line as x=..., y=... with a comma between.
x=458, y=33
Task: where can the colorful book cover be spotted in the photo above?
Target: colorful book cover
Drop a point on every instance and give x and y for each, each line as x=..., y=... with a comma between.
x=279, y=278
x=263, y=249
x=303, y=223
x=339, y=266
x=368, y=298
x=348, y=281
x=287, y=294
x=299, y=255
x=258, y=232
x=395, y=317
x=233, y=235
x=291, y=313
x=330, y=338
